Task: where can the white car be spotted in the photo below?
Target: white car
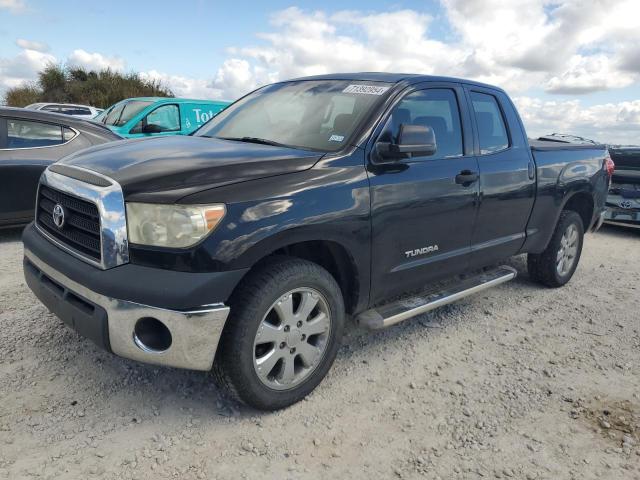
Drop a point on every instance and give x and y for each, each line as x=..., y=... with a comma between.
x=81, y=111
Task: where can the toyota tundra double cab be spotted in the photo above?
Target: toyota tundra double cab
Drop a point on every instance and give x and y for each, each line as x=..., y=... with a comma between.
x=244, y=247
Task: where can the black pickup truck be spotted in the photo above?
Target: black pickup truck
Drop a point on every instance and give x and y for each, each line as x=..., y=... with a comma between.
x=243, y=247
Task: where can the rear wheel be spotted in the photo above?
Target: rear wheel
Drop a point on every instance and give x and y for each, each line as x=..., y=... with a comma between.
x=282, y=335
x=556, y=265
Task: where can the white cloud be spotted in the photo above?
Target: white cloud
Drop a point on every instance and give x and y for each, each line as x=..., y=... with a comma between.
x=518, y=44
x=610, y=122
x=589, y=74
x=14, y=6
x=22, y=68
x=31, y=45
x=561, y=46
x=94, y=61
x=185, y=87
x=237, y=77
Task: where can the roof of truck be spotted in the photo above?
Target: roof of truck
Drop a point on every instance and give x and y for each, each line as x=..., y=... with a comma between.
x=408, y=78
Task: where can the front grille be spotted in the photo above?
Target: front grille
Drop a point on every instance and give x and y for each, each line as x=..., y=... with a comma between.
x=81, y=229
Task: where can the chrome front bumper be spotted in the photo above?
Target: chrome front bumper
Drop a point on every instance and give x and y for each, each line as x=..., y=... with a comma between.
x=194, y=333
x=622, y=217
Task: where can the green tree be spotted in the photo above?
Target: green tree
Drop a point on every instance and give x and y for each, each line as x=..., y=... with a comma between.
x=60, y=84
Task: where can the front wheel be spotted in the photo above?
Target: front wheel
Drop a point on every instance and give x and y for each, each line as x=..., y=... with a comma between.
x=283, y=333
x=555, y=266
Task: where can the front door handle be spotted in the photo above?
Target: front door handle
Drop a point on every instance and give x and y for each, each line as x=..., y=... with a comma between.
x=466, y=177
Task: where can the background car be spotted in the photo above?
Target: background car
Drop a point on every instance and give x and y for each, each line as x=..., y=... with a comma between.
x=81, y=111
x=623, y=201
x=159, y=116
x=30, y=140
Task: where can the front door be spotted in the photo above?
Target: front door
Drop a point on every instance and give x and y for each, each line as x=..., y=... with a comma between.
x=423, y=209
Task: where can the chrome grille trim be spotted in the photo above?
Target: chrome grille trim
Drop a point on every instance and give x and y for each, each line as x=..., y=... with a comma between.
x=114, y=242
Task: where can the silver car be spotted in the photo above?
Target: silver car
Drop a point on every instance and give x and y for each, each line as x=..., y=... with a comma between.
x=81, y=111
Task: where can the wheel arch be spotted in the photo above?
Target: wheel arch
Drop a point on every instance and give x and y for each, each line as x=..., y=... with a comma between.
x=331, y=254
x=583, y=204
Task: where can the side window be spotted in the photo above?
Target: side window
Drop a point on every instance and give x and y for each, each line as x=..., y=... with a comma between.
x=492, y=132
x=67, y=134
x=50, y=108
x=436, y=108
x=75, y=110
x=27, y=134
x=167, y=118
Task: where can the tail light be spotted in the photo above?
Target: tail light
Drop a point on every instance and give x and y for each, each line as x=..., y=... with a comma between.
x=609, y=165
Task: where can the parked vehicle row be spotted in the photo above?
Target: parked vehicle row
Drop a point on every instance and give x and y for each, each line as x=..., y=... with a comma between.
x=34, y=137
x=31, y=140
x=244, y=246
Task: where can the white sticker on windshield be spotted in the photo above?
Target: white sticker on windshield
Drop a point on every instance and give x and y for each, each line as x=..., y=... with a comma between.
x=336, y=138
x=365, y=89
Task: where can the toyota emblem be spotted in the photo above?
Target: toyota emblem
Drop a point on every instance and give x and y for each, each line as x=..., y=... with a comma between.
x=58, y=215
x=625, y=203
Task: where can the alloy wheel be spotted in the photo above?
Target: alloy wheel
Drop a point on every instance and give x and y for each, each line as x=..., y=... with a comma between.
x=566, y=256
x=292, y=338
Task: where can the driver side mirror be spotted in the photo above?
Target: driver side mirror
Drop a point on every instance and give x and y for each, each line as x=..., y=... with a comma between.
x=413, y=140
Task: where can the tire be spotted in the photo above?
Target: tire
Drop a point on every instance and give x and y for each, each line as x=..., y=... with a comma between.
x=280, y=286
x=546, y=267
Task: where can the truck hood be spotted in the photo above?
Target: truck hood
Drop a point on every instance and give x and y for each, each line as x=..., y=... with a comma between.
x=168, y=168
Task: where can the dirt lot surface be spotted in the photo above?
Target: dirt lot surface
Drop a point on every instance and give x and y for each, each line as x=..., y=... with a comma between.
x=517, y=382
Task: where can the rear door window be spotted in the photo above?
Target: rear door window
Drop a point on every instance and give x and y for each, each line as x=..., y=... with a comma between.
x=68, y=110
x=492, y=130
x=28, y=134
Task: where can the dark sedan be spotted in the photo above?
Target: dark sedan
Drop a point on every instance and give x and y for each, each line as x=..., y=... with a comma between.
x=30, y=140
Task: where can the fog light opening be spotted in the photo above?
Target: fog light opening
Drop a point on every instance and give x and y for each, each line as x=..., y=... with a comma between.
x=151, y=335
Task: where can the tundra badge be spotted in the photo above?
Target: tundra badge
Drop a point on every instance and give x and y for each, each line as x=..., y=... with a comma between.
x=421, y=251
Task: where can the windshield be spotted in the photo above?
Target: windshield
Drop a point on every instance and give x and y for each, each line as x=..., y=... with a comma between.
x=309, y=114
x=120, y=114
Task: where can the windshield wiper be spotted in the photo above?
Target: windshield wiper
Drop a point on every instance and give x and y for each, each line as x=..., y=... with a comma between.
x=262, y=141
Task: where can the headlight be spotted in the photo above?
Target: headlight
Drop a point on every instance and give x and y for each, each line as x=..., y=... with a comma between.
x=174, y=226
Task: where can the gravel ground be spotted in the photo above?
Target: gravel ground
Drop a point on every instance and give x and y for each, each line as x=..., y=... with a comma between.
x=517, y=382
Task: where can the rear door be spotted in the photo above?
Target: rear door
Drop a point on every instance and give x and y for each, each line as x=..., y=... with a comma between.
x=507, y=177
x=422, y=215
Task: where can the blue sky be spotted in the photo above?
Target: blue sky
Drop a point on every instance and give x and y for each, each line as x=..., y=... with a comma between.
x=572, y=66
x=197, y=33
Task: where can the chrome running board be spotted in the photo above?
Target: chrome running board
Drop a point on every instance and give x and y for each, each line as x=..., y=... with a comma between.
x=392, y=313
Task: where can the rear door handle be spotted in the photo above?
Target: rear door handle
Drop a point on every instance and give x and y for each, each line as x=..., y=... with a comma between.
x=466, y=177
